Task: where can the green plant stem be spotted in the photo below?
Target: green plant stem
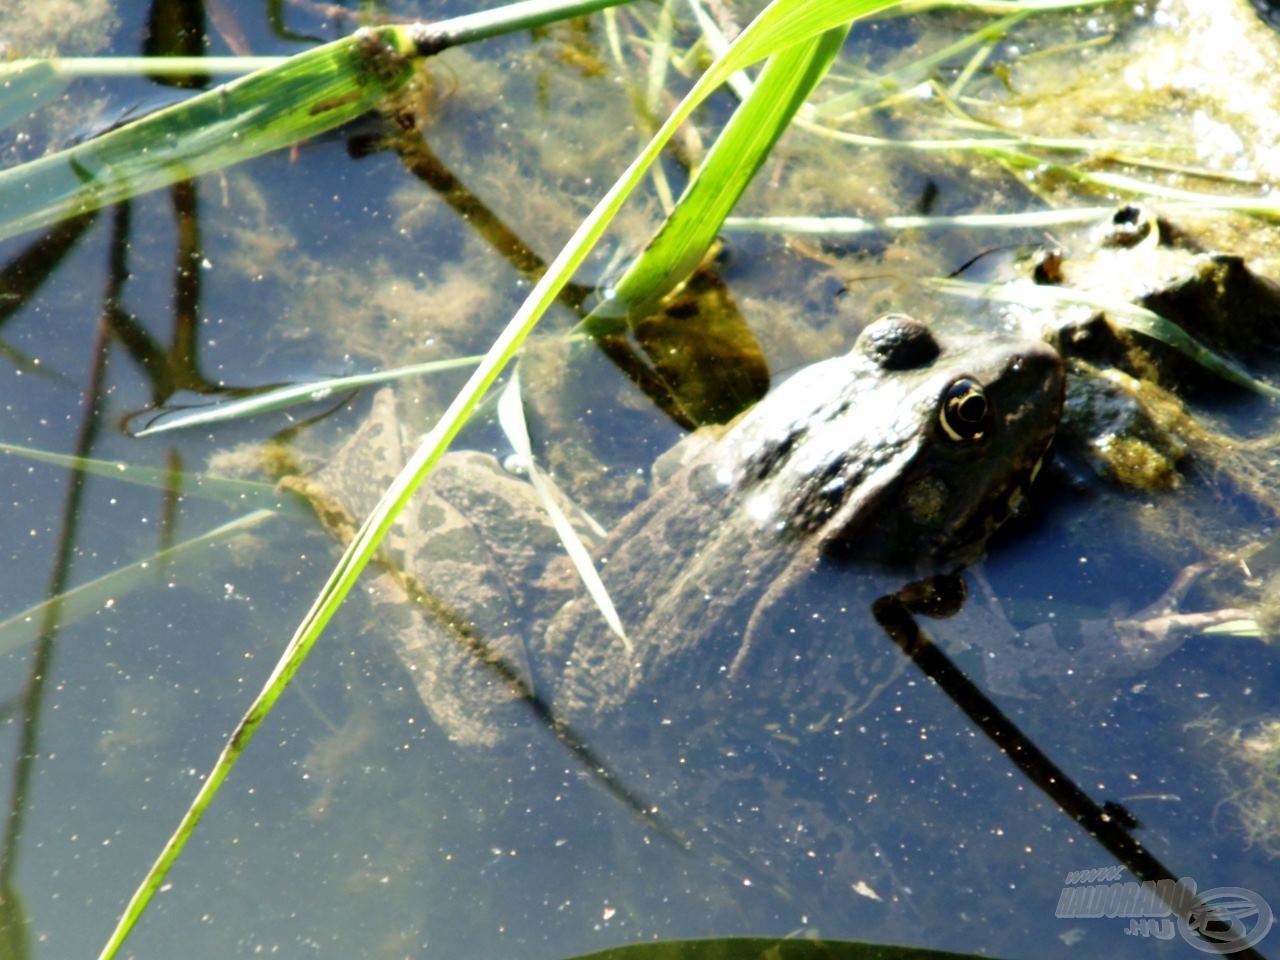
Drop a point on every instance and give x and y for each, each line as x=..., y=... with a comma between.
x=431, y=38
x=743, y=144
x=850, y=226
x=73, y=67
x=267, y=110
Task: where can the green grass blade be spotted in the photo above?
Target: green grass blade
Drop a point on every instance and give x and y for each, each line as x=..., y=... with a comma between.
x=743, y=144
x=308, y=94
x=1260, y=204
x=25, y=87
x=801, y=226
x=226, y=490
x=1001, y=6
x=282, y=398
x=431, y=38
x=781, y=24
x=24, y=628
x=516, y=429
x=66, y=68
x=915, y=72
x=1130, y=316
x=276, y=107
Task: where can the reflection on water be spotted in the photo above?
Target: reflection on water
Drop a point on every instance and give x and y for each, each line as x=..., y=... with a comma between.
x=353, y=826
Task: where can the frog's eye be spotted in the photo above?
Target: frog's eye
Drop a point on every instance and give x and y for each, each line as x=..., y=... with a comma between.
x=963, y=414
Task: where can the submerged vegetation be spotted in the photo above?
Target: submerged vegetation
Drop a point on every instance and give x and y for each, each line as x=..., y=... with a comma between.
x=990, y=126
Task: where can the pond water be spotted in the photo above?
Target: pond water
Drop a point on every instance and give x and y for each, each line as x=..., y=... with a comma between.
x=354, y=825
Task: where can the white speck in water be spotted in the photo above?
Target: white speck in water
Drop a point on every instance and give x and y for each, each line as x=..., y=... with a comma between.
x=864, y=889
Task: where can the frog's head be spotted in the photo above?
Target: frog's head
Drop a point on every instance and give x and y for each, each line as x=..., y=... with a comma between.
x=973, y=420
x=909, y=451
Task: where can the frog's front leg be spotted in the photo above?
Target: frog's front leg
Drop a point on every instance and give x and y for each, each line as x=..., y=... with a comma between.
x=800, y=567
x=1158, y=629
x=1093, y=649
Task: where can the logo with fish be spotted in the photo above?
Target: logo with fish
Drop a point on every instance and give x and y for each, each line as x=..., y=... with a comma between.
x=1221, y=920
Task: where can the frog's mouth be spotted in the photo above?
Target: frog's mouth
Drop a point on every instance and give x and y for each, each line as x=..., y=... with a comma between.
x=968, y=538
x=1015, y=497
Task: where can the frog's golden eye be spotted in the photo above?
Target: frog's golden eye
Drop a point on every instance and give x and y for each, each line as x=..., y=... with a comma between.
x=963, y=415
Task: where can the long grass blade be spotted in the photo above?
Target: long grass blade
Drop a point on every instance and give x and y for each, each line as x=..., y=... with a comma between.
x=226, y=490
x=310, y=93
x=275, y=107
x=1131, y=316
x=743, y=144
x=852, y=226
x=26, y=87
x=282, y=398
x=24, y=628
x=511, y=419
x=67, y=68
x=1260, y=204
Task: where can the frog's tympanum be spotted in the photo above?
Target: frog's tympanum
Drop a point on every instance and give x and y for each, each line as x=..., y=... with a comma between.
x=756, y=559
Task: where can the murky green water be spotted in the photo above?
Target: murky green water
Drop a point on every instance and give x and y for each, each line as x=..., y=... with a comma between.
x=352, y=826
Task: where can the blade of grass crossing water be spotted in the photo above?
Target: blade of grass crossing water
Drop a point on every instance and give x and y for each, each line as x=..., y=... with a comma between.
x=780, y=25
x=276, y=107
x=682, y=242
x=308, y=94
x=25, y=87
x=23, y=628
x=1130, y=316
x=516, y=429
x=229, y=491
x=282, y=398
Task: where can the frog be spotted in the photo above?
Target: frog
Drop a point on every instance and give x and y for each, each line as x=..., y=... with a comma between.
x=1127, y=418
x=892, y=463
x=1146, y=448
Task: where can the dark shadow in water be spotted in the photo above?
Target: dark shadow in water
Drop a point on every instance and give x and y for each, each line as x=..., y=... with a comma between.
x=420, y=160
x=1109, y=824
x=696, y=359
x=32, y=696
x=175, y=366
x=176, y=28
x=275, y=19
x=24, y=275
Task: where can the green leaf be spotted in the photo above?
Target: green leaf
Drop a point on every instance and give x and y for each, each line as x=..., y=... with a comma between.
x=743, y=144
x=227, y=490
x=306, y=95
x=24, y=628
x=1130, y=316
x=290, y=395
